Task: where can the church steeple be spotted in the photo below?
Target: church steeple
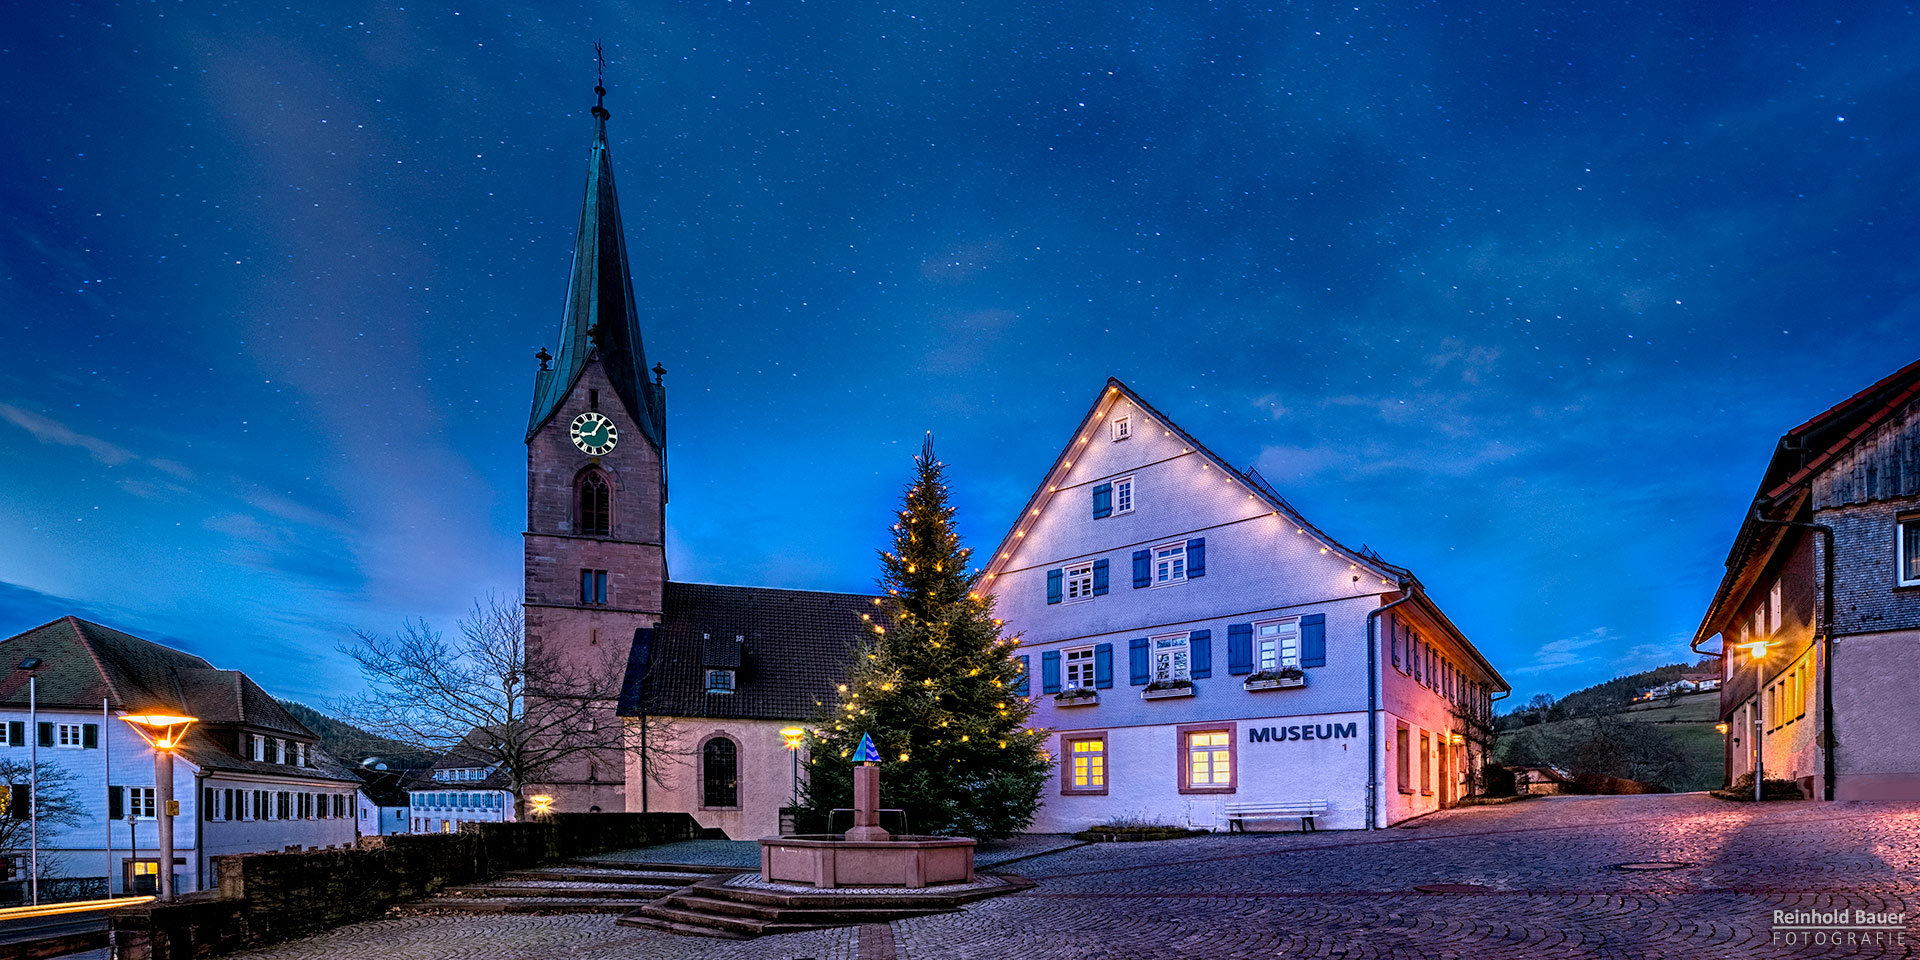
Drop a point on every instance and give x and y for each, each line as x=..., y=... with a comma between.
x=601, y=319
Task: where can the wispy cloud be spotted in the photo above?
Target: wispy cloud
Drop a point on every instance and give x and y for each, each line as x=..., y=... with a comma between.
x=48, y=430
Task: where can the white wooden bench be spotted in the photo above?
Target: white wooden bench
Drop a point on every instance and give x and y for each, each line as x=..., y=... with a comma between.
x=1305, y=810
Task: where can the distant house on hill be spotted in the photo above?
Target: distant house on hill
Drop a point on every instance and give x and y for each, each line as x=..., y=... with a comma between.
x=1818, y=614
x=466, y=786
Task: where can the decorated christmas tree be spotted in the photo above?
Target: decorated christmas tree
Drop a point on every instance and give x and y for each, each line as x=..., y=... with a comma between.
x=934, y=686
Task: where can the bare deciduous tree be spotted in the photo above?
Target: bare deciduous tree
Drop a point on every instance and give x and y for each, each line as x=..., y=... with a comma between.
x=485, y=695
x=59, y=809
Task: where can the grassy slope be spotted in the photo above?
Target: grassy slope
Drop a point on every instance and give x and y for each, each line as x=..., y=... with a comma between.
x=1690, y=719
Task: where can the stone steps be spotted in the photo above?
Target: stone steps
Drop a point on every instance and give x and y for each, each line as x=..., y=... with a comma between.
x=712, y=908
x=539, y=906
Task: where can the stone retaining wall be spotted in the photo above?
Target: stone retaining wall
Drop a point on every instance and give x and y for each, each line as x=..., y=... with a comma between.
x=270, y=897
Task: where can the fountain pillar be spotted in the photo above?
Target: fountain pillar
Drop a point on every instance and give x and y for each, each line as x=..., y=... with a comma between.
x=866, y=804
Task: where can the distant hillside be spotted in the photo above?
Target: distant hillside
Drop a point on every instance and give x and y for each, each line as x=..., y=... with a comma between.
x=1617, y=693
x=1675, y=737
x=348, y=743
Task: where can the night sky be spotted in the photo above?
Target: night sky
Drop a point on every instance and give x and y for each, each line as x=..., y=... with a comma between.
x=1518, y=295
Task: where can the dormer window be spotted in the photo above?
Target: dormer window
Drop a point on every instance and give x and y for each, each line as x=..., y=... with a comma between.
x=1122, y=428
x=719, y=681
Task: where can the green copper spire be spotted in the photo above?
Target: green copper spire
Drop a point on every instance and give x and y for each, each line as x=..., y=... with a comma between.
x=601, y=319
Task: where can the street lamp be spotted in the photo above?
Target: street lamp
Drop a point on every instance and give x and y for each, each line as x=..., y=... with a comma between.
x=542, y=804
x=793, y=736
x=1758, y=651
x=31, y=664
x=162, y=731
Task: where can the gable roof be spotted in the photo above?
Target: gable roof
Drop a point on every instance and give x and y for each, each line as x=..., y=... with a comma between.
x=83, y=663
x=1256, y=485
x=1786, y=485
x=601, y=320
x=795, y=647
x=1391, y=575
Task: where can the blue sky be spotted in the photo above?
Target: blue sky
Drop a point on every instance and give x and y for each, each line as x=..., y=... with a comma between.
x=1520, y=297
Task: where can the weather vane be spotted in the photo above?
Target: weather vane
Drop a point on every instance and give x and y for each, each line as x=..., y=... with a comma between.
x=600, y=81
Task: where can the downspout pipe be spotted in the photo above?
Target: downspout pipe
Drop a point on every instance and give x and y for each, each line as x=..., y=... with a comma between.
x=1823, y=633
x=1373, y=701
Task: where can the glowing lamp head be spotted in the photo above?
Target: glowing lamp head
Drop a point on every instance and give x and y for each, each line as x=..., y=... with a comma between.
x=162, y=731
x=542, y=803
x=793, y=736
x=1720, y=728
x=1757, y=649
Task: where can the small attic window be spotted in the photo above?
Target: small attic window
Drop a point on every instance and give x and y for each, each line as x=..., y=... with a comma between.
x=719, y=681
x=593, y=399
x=1122, y=428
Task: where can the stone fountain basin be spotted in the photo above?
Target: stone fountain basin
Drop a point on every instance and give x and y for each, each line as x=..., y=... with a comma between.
x=827, y=861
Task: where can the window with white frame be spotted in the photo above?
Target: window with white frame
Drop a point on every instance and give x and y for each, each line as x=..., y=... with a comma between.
x=1170, y=563
x=1080, y=582
x=1210, y=759
x=1773, y=608
x=1170, y=658
x=1123, y=495
x=1276, y=644
x=68, y=735
x=257, y=747
x=140, y=804
x=1907, y=550
x=1080, y=668
x=1122, y=428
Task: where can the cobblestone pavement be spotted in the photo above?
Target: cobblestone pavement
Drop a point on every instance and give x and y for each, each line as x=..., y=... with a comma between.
x=1543, y=875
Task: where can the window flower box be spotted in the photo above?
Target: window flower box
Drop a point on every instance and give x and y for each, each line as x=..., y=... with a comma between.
x=1167, y=689
x=1076, y=697
x=1276, y=679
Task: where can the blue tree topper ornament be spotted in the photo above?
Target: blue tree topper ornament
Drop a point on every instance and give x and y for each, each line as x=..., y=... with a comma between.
x=865, y=753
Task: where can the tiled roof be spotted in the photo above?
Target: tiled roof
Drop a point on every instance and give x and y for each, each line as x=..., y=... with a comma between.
x=82, y=662
x=1785, y=486
x=796, y=646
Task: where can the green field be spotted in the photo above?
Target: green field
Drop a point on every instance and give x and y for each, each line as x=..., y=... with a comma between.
x=1689, y=719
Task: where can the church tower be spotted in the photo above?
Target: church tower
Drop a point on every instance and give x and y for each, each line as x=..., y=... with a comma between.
x=596, y=564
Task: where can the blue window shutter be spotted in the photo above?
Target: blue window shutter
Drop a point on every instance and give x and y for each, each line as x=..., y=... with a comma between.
x=16, y=733
x=1137, y=668
x=46, y=734
x=1239, y=648
x=1103, y=666
x=1200, y=654
x=1142, y=568
x=1196, y=557
x=1313, y=640
x=1053, y=586
x=1100, y=577
x=1050, y=672
x=1102, y=501
x=90, y=736
x=1024, y=685
x=1393, y=634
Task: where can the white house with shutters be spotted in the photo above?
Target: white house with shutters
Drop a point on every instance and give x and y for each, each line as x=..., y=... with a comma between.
x=1224, y=678
x=247, y=776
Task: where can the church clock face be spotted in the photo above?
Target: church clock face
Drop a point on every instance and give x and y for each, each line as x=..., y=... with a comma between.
x=594, y=434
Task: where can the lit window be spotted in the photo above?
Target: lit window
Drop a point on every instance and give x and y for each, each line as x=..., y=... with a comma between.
x=1122, y=428
x=1277, y=644
x=1080, y=668
x=1123, y=495
x=1089, y=765
x=1170, y=563
x=1170, y=658
x=1209, y=759
x=1907, y=551
x=1080, y=582
x=719, y=681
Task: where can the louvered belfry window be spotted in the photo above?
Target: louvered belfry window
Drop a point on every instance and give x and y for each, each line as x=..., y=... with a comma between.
x=596, y=507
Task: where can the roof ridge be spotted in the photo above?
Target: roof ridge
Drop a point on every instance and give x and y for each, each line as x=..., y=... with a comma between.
x=799, y=590
x=106, y=676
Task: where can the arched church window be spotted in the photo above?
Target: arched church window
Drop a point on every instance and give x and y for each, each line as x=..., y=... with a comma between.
x=596, y=506
x=720, y=773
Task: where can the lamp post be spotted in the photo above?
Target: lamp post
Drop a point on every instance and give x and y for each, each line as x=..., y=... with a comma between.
x=1757, y=650
x=163, y=731
x=29, y=665
x=793, y=737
